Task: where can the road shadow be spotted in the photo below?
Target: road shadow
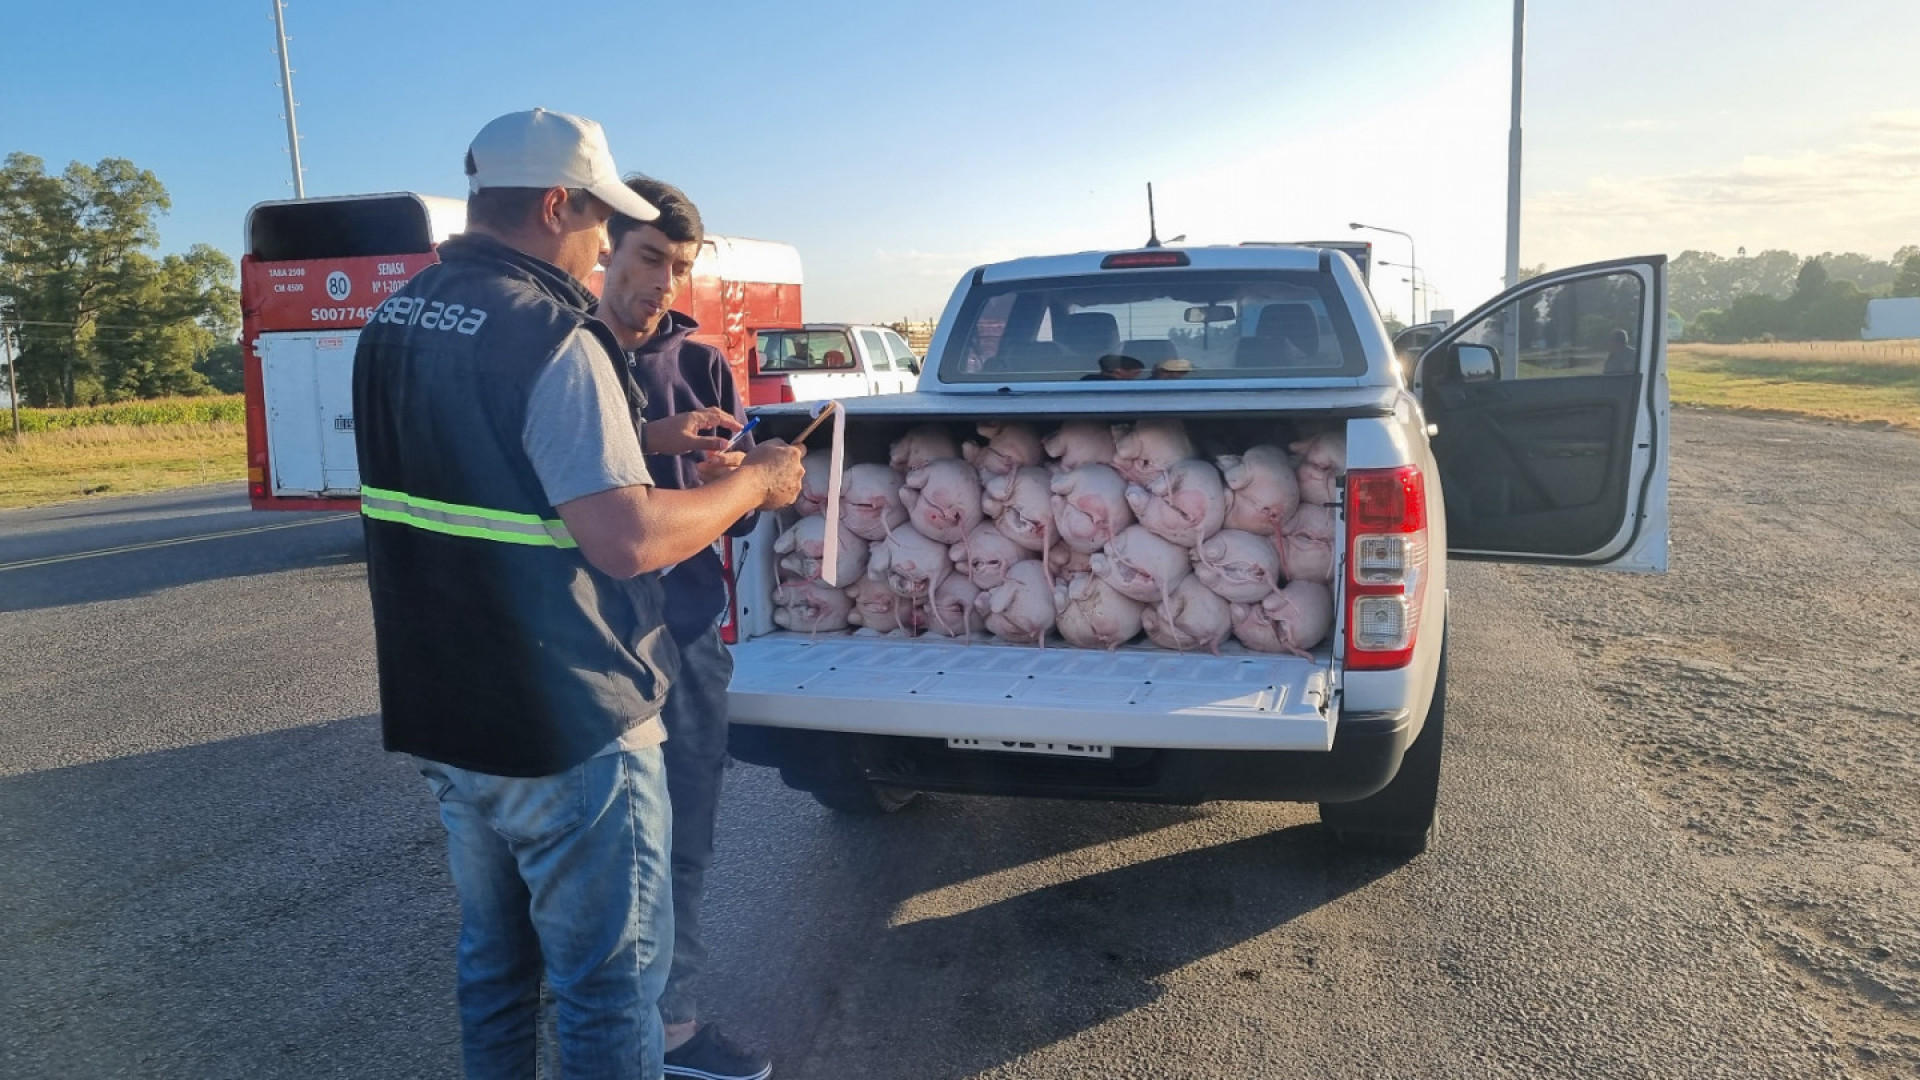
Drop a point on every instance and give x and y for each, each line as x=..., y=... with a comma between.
x=274, y=905
x=941, y=943
x=124, y=575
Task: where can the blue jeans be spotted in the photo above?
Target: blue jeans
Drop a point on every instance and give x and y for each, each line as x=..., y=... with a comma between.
x=568, y=872
x=696, y=719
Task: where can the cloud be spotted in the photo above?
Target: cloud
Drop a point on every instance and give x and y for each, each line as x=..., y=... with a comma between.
x=1858, y=196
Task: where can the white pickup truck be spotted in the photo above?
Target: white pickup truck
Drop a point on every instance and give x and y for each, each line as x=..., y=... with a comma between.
x=1527, y=433
x=829, y=360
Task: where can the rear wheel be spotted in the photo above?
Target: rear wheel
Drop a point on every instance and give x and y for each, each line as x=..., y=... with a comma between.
x=1399, y=818
x=862, y=799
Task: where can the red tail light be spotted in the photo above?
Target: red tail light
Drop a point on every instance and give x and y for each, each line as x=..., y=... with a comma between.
x=730, y=620
x=1386, y=566
x=786, y=390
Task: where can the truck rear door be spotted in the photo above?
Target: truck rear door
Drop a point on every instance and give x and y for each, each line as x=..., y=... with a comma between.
x=307, y=381
x=1550, y=410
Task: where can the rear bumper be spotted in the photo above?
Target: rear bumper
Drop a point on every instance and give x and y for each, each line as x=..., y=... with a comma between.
x=1366, y=753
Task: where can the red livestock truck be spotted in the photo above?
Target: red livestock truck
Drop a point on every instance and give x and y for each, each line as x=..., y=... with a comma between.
x=315, y=270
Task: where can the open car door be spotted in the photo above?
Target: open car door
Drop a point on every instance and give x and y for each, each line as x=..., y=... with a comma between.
x=1550, y=404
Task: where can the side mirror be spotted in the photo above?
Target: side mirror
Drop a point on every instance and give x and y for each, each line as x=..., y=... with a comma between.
x=912, y=365
x=1477, y=363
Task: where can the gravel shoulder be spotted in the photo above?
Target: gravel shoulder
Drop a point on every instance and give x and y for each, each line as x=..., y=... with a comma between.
x=1768, y=689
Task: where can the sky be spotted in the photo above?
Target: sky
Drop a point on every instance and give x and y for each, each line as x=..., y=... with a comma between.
x=898, y=144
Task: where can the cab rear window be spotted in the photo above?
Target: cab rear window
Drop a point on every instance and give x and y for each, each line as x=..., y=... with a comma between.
x=804, y=350
x=1182, y=324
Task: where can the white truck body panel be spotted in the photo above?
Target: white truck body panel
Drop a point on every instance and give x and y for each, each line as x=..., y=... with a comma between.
x=307, y=380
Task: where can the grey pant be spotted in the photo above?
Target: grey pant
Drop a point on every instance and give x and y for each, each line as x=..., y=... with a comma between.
x=696, y=751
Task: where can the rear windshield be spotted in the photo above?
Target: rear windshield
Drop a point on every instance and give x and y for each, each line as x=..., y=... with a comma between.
x=804, y=350
x=1189, y=324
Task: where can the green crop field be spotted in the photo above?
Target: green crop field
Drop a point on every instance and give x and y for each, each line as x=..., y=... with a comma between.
x=1852, y=381
x=122, y=449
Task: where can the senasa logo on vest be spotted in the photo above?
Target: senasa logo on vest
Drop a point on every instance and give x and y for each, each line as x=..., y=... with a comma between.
x=437, y=315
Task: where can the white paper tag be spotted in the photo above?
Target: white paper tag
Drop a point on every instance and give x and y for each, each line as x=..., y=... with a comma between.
x=830, y=554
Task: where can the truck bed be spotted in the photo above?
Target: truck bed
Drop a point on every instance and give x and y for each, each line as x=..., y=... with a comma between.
x=995, y=692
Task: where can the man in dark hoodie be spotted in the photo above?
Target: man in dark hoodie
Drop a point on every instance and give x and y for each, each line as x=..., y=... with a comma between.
x=689, y=389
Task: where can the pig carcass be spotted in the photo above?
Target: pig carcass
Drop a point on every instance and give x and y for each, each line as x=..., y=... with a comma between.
x=1141, y=565
x=950, y=612
x=985, y=555
x=818, y=467
x=923, y=444
x=1092, y=614
x=1009, y=446
x=942, y=499
x=1021, y=506
x=1019, y=609
x=810, y=606
x=1079, y=442
x=1191, y=617
x=1262, y=489
x=1144, y=450
x=803, y=548
x=883, y=611
x=1323, y=459
x=1237, y=565
x=1090, y=506
x=1185, y=504
x=870, y=501
x=1306, y=544
x=909, y=563
x=1064, y=561
x=1290, y=620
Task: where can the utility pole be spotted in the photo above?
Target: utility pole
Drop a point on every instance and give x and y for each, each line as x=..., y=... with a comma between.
x=13, y=384
x=1513, y=145
x=286, y=86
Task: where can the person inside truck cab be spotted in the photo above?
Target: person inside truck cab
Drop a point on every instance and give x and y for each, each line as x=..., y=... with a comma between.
x=690, y=390
x=514, y=541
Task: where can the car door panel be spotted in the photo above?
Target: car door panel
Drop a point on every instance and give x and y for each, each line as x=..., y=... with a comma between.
x=1557, y=452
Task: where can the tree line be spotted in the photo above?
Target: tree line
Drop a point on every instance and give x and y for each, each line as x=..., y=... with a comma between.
x=1780, y=295
x=94, y=314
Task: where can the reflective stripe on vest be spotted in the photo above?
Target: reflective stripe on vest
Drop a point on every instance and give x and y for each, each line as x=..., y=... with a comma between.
x=453, y=519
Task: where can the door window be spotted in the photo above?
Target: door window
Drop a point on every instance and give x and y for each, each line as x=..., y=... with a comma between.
x=897, y=348
x=1590, y=326
x=876, y=350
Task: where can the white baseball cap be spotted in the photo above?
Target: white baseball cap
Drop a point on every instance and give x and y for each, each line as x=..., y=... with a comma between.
x=544, y=149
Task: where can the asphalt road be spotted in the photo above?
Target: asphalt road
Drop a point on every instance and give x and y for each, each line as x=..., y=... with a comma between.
x=208, y=868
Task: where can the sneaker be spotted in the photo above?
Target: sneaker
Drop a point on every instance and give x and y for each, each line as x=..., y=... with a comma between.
x=709, y=1055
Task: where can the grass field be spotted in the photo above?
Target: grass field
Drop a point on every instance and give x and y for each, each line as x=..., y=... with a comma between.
x=65, y=454
x=1853, y=381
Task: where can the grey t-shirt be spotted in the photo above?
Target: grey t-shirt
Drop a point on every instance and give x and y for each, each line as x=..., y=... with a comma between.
x=581, y=440
x=579, y=434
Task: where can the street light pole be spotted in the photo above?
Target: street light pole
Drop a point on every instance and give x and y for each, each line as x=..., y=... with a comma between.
x=286, y=85
x=1413, y=256
x=1513, y=145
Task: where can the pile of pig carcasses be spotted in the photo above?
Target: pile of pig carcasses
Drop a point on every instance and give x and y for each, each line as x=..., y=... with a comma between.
x=1087, y=533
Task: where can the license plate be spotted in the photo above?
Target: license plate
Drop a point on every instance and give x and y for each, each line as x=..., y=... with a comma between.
x=1023, y=746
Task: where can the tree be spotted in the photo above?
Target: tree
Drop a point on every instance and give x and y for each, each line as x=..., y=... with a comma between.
x=1907, y=282
x=220, y=366
x=1811, y=282
x=100, y=317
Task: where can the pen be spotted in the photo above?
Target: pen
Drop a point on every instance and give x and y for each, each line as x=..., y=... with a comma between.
x=742, y=433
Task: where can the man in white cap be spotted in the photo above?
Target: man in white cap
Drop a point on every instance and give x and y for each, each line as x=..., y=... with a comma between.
x=514, y=540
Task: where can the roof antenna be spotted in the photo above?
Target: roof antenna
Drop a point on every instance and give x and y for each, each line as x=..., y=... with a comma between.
x=1153, y=231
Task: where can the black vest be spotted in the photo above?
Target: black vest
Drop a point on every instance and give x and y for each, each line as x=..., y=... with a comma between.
x=499, y=648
